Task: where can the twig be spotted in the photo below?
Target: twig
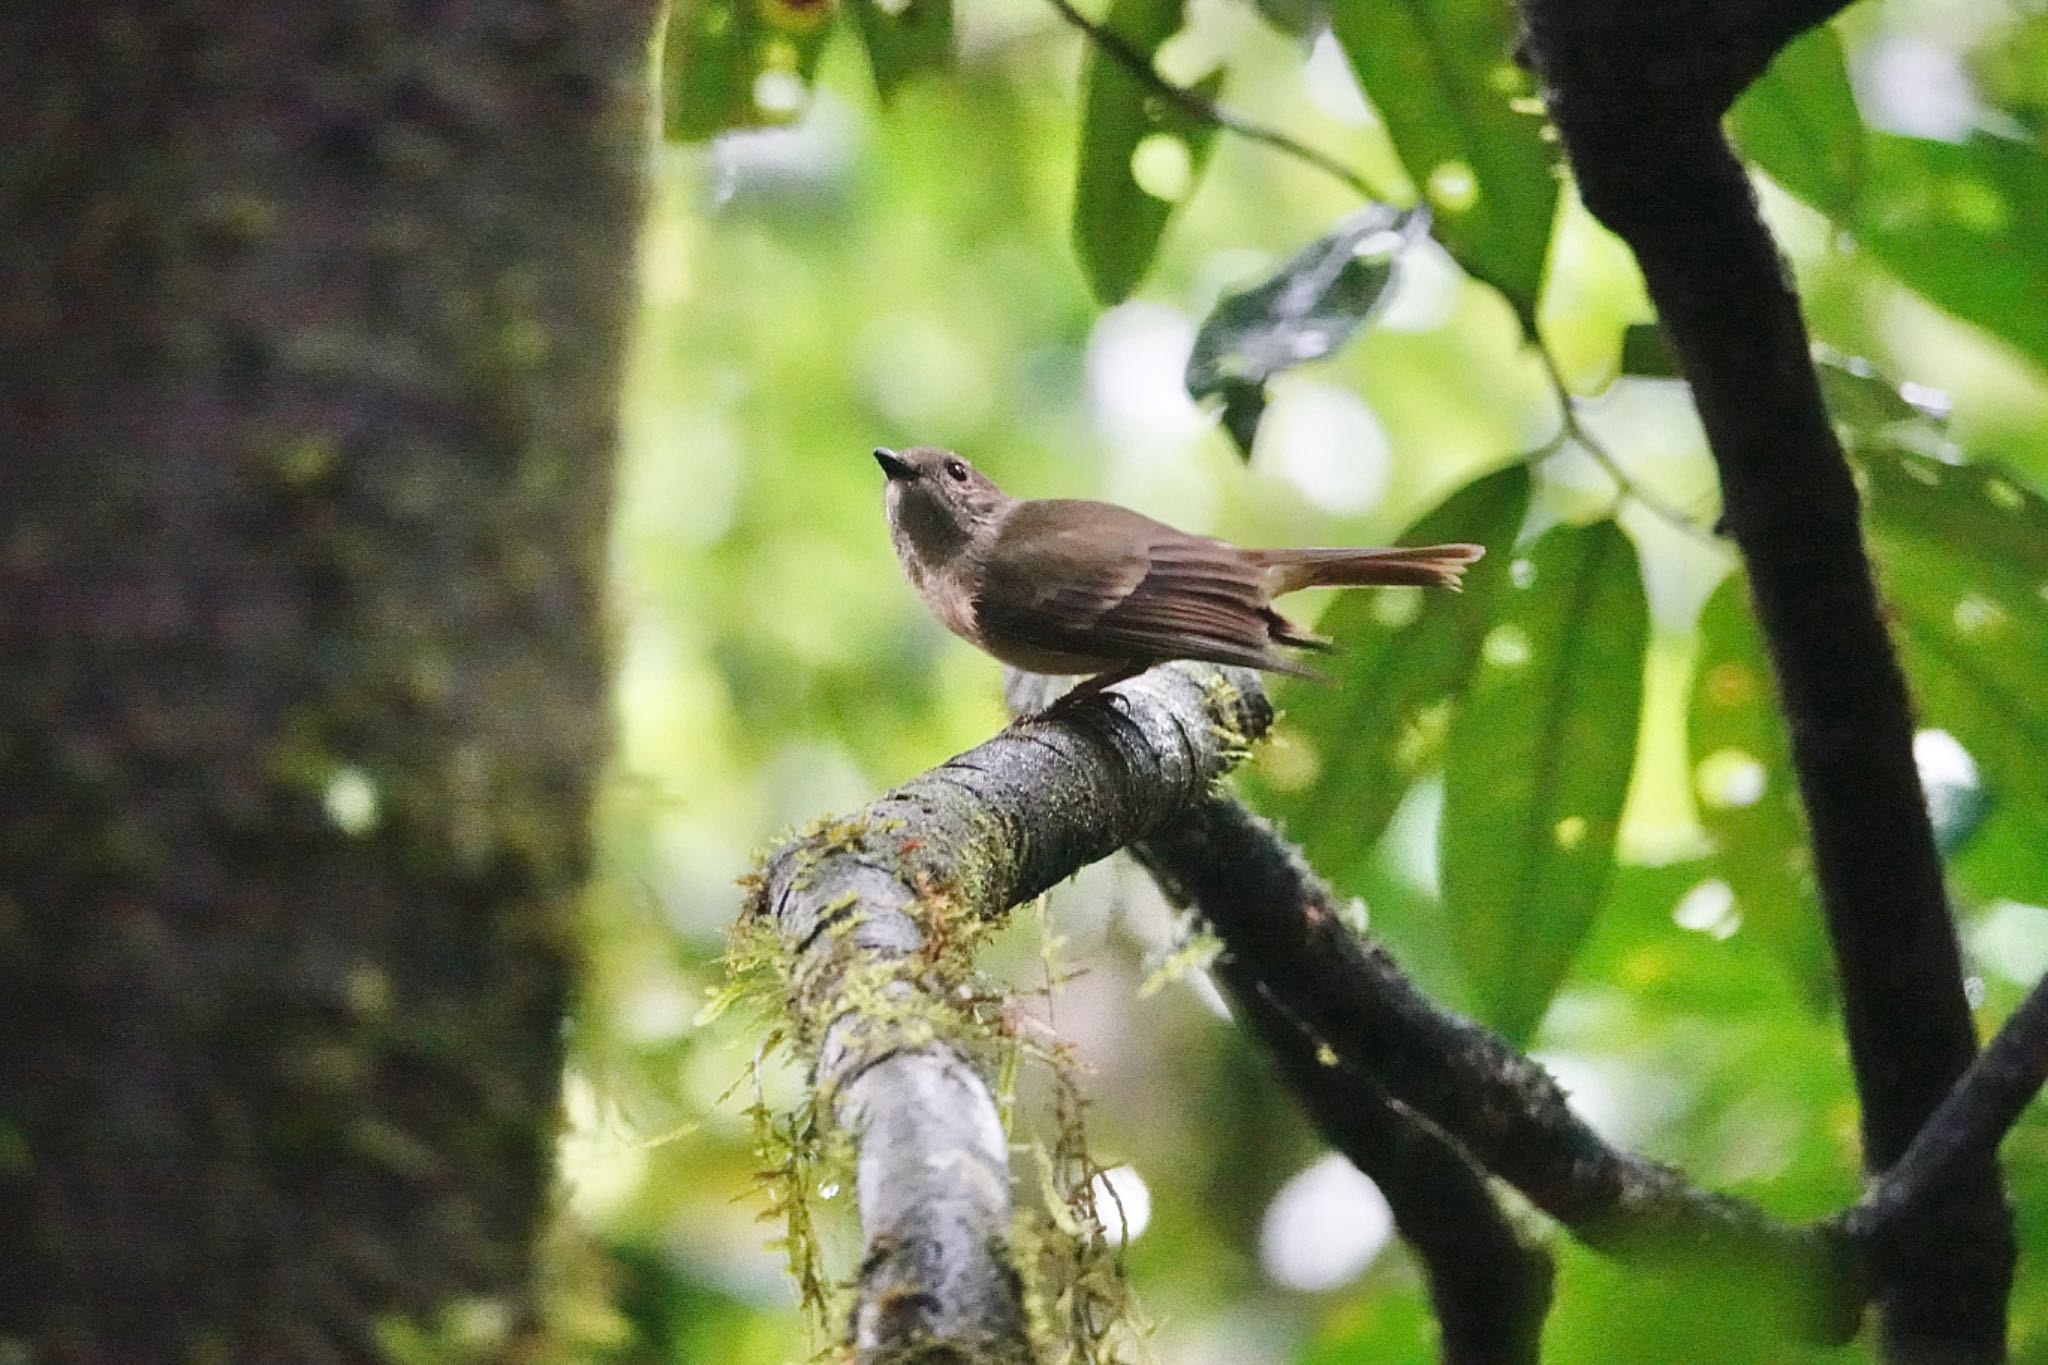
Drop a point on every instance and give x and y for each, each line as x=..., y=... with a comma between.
x=1202, y=107
x=1569, y=426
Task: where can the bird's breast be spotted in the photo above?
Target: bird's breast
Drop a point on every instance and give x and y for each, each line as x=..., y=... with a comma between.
x=952, y=602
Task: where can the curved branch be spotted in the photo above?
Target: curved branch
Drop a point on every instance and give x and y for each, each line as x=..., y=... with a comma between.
x=875, y=911
x=1489, y=1286
x=1285, y=942
x=1646, y=145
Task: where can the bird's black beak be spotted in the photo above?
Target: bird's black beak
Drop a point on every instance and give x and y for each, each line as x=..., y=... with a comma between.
x=894, y=465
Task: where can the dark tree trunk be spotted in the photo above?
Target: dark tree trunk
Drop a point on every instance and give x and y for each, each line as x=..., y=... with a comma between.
x=310, y=330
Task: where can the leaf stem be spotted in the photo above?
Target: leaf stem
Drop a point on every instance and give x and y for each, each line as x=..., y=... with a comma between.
x=1570, y=428
x=1202, y=107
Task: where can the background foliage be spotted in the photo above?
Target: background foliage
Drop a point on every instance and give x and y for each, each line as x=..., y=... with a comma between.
x=1562, y=797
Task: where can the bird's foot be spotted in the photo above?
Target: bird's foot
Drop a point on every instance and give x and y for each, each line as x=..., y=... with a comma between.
x=1086, y=688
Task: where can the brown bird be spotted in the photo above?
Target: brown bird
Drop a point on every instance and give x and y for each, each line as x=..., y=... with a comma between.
x=1066, y=586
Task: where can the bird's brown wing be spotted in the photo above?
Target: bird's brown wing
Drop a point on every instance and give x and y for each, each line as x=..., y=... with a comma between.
x=1107, y=582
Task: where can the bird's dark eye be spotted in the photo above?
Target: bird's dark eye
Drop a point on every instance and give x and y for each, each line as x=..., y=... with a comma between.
x=956, y=471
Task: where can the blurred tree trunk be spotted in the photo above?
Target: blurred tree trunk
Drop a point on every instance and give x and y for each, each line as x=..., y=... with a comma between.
x=311, y=319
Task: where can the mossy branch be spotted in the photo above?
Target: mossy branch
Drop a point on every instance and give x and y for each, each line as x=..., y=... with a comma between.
x=879, y=914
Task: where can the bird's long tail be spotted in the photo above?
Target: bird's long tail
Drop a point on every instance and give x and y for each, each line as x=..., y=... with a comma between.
x=1428, y=566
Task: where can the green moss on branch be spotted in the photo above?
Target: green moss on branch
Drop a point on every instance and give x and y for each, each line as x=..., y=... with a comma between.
x=880, y=915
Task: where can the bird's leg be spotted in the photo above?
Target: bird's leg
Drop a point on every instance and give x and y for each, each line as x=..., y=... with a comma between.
x=1088, y=687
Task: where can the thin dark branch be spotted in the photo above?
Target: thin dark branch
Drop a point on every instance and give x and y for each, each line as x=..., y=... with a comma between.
x=1652, y=164
x=873, y=912
x=1489, y=1286
x=1970, y=1123
x=1202, y=107
x=1284, y=941
x=1490, y=1289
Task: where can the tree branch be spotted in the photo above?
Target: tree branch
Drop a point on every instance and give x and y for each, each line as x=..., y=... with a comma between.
x=1285, y=942
x=1644, y=139
x=1970, y=1123
x=1490, y=1287
x=876, y=913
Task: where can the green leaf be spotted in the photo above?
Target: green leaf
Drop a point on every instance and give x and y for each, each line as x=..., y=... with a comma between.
x=2003, y=858
x=1868, y=408
x=1960, y=222
x=716, y=53
x=904, y=39
x=1799, y=120
x=1749, y=796
x=2010, y=66
x=1961, y=554
x=1405, y=656
x=1441, y=74
x=1117, y=223
x=1962, y=558
x=1243, y=407
x=1537, y=766
x=1646, y=351
x=1305, y=311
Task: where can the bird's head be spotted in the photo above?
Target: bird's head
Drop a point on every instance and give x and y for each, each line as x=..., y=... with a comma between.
x=938, y=503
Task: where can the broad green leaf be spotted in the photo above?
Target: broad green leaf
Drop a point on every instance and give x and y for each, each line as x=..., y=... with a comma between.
x=729, y=64
x=1536, y=768
x=1307, y=310
x=1959, y=222
x=1961, y=554
x=904, y=39
x=1962, y=559
x=1748, y=795
x=1404, y=657
x=1672, y=931
x=1118, y=222
x=2003, y=859
x=1799, y=120
x=2011, y=69
x=1441, y=74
